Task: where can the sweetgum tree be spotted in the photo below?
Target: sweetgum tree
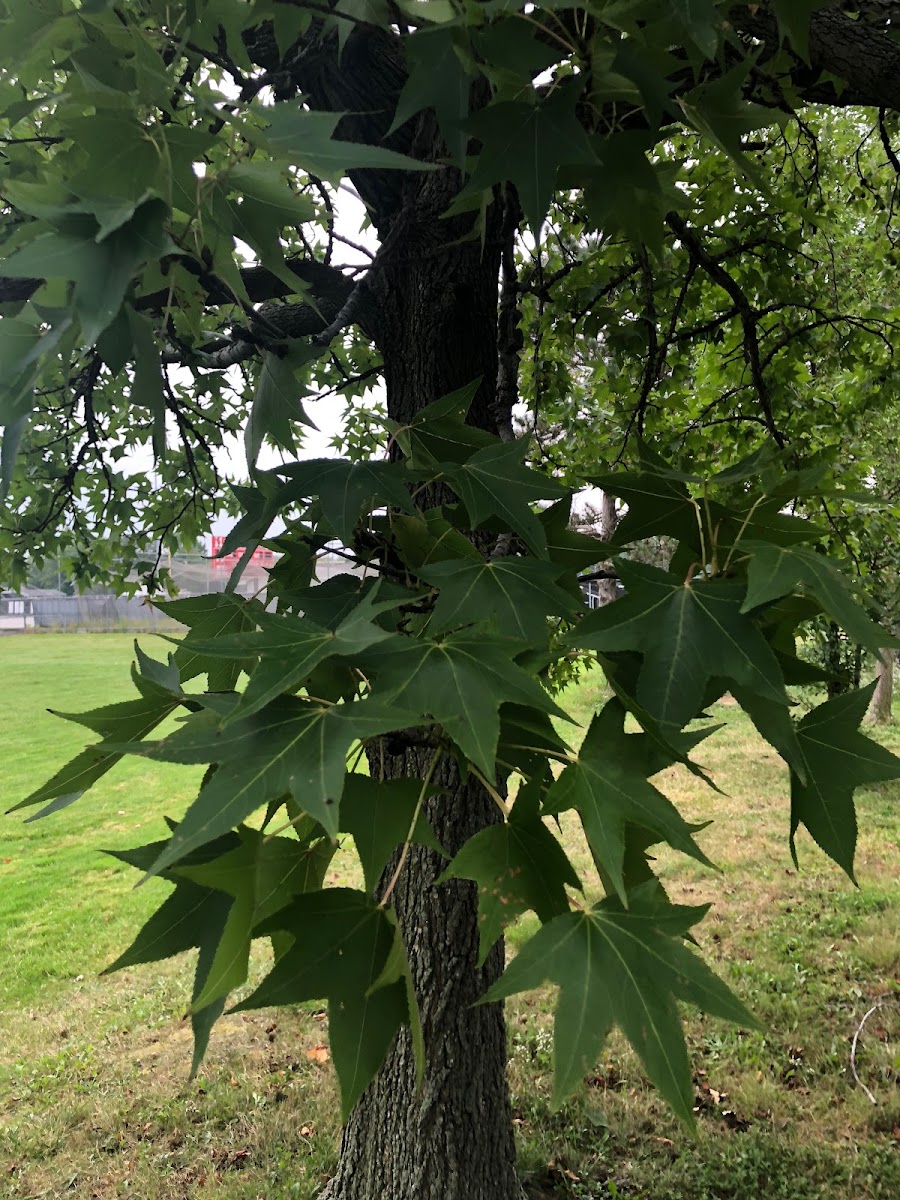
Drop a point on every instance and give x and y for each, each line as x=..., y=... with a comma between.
x=173, y=272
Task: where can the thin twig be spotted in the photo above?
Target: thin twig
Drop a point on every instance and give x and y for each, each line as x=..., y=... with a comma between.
x=597, y=575
x=749, y=316
x=875, y=1007
x=347, y=314
x=886, y=142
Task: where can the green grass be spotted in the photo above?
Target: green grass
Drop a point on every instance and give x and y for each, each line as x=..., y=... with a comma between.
x=59, y=897
x=94, y=1096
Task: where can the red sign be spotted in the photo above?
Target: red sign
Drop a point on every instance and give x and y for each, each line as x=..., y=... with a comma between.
x=259, y=558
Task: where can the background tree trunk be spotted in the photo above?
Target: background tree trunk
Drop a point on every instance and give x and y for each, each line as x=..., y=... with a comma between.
x=835, y=661
x=609, y=522
x=451, y=1139
x=880, y=707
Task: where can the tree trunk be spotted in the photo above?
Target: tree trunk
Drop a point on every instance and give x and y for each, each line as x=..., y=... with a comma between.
x=857, y=666
x=452, y=1138
x=835, y=662
x=880, y=707
x=609, y=522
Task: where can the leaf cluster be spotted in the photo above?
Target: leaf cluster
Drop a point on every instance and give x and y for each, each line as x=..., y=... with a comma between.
x=169, y=187
x=441, y=644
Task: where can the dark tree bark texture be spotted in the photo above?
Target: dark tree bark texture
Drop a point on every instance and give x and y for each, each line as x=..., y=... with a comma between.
x=451, y=1138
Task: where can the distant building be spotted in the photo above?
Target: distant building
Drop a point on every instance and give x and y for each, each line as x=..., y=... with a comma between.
x=16, y=611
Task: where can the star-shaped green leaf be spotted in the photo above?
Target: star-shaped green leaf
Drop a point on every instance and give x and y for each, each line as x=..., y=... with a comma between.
x=330, y=602
x=528, y=740
x=460, y=681
x=701, y=23
x=494, y=482
x=343, y=942
x=628, y=969
x=687, y=633
x=565, y=546
x=293, y=746
x=190, y=917
x=305, y=139
x=129, y=721
x=187, y=917
x=776, y=571
x=659, y=503
x=527, y=144
x=794, y=19
x=608, y=785
x=430, y=538
x=438, y=433
x=290, y=647
x=518, y=865
x=718, y=109
x=622, y=672
x=156, y=680
x=277, y=401
x=775, y=723
x=379, y=815
x=208, y=617
x=262, y=874
x=346, y=490
x=436, y=79
x=838, y=759
x=517, y=594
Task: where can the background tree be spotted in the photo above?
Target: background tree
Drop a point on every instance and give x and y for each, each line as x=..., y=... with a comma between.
x=711, y=336
x=172, y=184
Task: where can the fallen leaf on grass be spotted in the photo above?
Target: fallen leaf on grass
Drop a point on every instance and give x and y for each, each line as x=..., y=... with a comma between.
x=555, y=1169
x=317, y=1054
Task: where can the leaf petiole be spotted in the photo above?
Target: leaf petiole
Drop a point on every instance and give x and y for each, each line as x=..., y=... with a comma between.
x=401, y=862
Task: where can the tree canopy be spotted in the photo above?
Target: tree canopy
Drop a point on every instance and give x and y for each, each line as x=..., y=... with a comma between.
x=622, y=244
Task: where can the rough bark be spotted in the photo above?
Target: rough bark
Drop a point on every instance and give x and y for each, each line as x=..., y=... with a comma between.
x=450, y=1139
x=609, y=521
x=880, y=707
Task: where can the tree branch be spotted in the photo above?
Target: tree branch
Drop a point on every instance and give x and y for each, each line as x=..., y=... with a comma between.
x=339, y=302
x=347, y=314
x=749, y=317
x=510, y=340
x=326, y=283
x=859, y=52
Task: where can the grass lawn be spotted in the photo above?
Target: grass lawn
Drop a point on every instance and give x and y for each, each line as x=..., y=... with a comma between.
x=94, y=1097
